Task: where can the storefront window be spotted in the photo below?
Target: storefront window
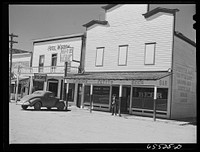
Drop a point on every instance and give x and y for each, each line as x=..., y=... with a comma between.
x=87, y=94
x=143, y=98
x=101, y=94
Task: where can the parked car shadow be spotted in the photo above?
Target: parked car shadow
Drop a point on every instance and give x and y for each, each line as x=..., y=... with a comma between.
x=44, y=109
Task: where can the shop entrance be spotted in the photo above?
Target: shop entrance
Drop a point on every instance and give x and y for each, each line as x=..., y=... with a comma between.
x=79, y=95
x=125, y=97
x=53, y=86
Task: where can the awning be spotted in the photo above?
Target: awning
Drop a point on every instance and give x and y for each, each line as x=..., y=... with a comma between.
x=120, y=75
x=22, y=80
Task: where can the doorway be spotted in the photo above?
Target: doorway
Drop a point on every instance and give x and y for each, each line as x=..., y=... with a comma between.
x=53, y=86
x=79, y=95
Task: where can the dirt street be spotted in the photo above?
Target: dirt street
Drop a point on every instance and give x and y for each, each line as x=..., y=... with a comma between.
x=81, y=126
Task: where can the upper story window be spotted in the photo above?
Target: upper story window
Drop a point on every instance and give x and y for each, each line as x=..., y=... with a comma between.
x=41, y=63
x=99, y=56
x=122, y=55
x=149, y=58
x=53, y=62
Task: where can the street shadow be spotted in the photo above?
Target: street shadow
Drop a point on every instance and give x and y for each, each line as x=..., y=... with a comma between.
x=47, y=110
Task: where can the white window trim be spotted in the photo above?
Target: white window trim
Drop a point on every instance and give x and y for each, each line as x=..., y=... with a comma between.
x=145, y=53
x=125, y=63
x=96, y=64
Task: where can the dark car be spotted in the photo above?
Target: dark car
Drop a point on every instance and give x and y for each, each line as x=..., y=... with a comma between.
x=40, y=99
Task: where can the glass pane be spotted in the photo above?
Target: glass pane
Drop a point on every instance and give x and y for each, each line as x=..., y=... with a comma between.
x=99, y=57
x=149, y=53
x=122, y=55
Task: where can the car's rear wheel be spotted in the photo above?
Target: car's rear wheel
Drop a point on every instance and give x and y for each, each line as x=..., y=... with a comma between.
x=37, y=106
x=24, y=107
x=60, y=106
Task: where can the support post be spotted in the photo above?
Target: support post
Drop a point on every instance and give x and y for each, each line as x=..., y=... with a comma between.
x=131, y=98
x=110, y=97
x=120, y=98
x=63, y=87
x=16, y=94
x=91, y=97
x=31, y=84
x=154, y=103
x=67, y=91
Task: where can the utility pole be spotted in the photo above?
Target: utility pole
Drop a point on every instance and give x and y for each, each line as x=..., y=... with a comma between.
x=11, y=49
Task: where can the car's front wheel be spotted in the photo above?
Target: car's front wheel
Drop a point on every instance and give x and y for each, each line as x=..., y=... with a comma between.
x=60, y=106
x=24, y=107
x=37, y=106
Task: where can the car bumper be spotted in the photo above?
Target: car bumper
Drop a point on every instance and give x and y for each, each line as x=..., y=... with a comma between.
x=23, y=103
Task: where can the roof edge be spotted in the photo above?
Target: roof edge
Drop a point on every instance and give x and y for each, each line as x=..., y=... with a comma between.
x=95, y=22
x=58, y=38
x=159, y=9
x=184, y=38
x=109, y=6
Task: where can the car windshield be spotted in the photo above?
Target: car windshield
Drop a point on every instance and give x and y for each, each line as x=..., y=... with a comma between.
x=38, y=92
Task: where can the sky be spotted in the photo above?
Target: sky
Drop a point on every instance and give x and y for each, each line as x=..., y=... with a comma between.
x=32, y=22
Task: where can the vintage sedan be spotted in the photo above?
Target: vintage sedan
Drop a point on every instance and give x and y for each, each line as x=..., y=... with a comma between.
x=40, y=99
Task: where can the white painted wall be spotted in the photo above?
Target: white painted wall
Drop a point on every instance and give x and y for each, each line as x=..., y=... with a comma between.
x=127, y=26
x=42, y=49
x=184, y=80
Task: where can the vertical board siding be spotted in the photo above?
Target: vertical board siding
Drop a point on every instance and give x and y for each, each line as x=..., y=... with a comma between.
x=127, y=26
x=184, y=80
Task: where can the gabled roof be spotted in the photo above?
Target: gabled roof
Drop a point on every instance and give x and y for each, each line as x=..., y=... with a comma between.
x=95, y=22
x=183, y=37
x=160, y=9
x=107, y=7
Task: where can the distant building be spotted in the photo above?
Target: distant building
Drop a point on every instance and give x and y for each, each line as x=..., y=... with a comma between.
x=130, y=54
x=48, y=63
x=21, y=60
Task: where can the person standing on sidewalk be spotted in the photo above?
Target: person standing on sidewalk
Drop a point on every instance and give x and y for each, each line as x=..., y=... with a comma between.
x=114, y=105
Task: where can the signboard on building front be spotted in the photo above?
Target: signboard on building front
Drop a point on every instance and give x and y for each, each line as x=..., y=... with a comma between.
x=40, y=77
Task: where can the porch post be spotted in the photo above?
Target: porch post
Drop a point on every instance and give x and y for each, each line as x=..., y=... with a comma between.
x=31, y=84
x=154, y=103
x=91, y=97
x=59, y=85
x=120, y=98
x=67, y=90
x=131, y=98
x=110, y=97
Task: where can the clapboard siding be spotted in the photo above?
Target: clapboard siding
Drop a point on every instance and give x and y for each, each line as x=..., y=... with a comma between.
x=42, y=49
x=127, y=26
x=184, y=80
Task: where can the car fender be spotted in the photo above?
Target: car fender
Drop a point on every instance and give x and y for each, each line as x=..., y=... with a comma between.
x=33, y=101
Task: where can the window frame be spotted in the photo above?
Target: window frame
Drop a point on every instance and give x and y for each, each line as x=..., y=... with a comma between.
x=154, y=53
x=53, y=58
x=125, y=64
x=100, y=65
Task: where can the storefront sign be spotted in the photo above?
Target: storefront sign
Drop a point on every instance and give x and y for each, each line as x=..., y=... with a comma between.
x=40, y=77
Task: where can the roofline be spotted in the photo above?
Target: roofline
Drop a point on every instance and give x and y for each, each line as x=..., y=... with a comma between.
x=58, y=38
x=159, y=9
x=109, y=6
x=184, y=38
x=95, y=22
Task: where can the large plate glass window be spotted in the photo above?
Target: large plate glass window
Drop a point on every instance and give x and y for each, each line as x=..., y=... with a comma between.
x=150, y=53
x=122, y=55
x=99, y=56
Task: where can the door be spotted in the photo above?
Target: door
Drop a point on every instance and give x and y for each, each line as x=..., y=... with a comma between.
x=53, y=87
x=125, y=99
x=79, y=92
